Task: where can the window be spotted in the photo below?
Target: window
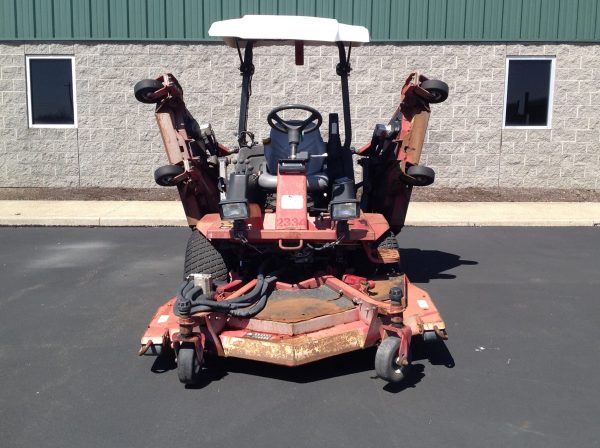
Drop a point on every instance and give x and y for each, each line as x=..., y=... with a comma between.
x=51, y=92
x=528, y=96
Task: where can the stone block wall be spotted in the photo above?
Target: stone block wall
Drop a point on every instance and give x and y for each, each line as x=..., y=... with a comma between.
x=117, y=144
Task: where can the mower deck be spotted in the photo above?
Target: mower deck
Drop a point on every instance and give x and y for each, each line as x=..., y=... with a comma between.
x=305, y=322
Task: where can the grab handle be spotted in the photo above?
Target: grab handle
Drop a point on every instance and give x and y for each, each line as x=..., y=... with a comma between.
x=284, y=247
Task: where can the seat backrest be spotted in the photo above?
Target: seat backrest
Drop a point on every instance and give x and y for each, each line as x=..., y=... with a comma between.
x=279, y=148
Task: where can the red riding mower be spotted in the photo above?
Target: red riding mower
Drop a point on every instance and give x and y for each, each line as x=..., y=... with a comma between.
x=285, y=264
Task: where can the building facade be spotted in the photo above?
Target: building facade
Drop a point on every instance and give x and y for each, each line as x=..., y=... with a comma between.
x=524, y=77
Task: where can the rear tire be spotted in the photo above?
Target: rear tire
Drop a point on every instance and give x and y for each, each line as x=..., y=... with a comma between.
x=367, y=268
x=202, y=257
x=387, y=241
x=387, y=364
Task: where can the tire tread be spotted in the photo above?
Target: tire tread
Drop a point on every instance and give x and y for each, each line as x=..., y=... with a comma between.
x=386, y=352
x=387, y=241
x=202, y=256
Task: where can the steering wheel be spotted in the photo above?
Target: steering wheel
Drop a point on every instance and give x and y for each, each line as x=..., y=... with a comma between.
x=308, y=125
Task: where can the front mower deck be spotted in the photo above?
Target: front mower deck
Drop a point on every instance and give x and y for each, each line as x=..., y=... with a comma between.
x=304, y=322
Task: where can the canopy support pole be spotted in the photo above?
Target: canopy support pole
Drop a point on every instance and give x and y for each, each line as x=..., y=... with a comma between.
x=246, y=70
x=343, y=70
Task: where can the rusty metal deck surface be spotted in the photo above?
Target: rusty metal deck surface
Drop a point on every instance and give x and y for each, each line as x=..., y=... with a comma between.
x=381, y=291
x=304, y=304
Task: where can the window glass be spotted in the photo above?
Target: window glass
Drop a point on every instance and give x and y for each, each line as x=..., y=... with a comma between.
x=51, y=91
x=528, y=92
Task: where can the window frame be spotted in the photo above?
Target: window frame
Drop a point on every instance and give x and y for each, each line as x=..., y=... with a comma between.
x=74, y=87
x=552, y=60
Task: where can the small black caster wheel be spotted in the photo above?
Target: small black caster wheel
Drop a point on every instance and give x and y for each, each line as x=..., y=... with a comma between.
x=189, y=366
x=165, y=175
x=423, y=175
x=144, y=88
x=432, y=337
x=387, y=363
x=437, y=89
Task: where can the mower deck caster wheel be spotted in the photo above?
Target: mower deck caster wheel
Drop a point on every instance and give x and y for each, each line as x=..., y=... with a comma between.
x=437, y=89
x=165, y=174
x=144, y=88
x=431, y=336
x=189, y=367
x=387, y=363
x=423, y=175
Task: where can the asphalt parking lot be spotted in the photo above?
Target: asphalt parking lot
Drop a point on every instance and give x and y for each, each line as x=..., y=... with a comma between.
x=520, y=369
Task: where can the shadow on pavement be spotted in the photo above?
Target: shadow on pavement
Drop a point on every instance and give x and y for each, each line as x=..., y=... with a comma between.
x=414, y=376
x=425, y=265
x=361, y=361
x=211, y=373
x=436, y=353
x=341, y=365
x=163, y=364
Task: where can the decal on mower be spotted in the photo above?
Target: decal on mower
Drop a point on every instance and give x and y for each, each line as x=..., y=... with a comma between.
x=292, y=201
x=261, y=336
x=423, y=304
x=289, y=222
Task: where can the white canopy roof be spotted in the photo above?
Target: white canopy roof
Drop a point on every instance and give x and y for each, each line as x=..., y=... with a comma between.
x=283, y=29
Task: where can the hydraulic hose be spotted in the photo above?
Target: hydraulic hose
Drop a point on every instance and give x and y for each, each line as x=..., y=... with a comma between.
x=241, y=310
x=188, y=290
x=197, y=298
x=259, y=305
x=191, y=299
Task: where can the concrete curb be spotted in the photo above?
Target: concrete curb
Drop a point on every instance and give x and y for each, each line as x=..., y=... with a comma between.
x=170, y=213
x=92, y=213
x=545, y=214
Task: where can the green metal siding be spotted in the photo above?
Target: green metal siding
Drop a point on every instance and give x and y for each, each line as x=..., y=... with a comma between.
x=387, y=20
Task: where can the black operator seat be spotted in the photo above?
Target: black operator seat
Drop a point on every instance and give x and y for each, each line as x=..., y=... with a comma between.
x=312, y=145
